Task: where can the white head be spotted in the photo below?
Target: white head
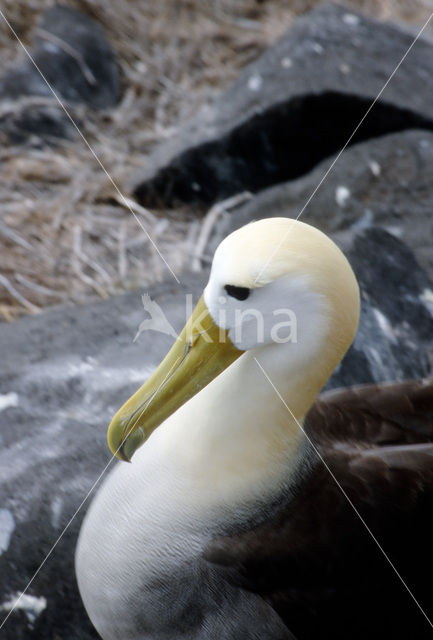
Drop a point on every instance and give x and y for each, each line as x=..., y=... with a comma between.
x=278, y=288
x=278, y=281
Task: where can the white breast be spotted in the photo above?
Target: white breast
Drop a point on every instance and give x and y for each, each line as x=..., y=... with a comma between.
x=139, y=555
x=141, y=526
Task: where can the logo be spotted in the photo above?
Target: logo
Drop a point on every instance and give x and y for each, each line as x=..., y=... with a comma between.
x=279, y=325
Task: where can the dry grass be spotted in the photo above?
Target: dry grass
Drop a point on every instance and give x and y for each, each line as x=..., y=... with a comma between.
x=65, y=234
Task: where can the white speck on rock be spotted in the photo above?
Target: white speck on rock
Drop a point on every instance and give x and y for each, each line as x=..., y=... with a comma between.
x=74, y=369
x=351, y=19
x=395, y=231
x=375, y=168
x=427, y=295
x=286, y=63
x=365, y=221
x=255, y=82
x=31, y=605
x=56, y=511
x=317, y=47
x=342, y=194
x=384, y=324
x=344, y=68
x=7, y=526
x=51, y=48
x=427, y=298
x=8, y=400
x=141, y=67
x=374, y=353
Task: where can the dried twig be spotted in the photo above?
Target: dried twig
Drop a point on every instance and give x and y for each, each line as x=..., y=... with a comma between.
x=122, y=262
x=9, y=107
x=45, y=291
x=15, y=237
x=58, y=42
x=18, y=296
x=135, y=207
x=76, y=264
x=209, y=222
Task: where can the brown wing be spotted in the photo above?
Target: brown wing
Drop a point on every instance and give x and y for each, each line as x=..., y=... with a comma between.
x=315, y=561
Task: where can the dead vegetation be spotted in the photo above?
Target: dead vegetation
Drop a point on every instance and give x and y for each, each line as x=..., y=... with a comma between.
x=66, y=234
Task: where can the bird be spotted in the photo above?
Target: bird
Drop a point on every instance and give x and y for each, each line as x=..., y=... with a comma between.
x=255, y=507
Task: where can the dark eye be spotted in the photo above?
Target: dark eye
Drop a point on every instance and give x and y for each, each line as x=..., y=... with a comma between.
x=240, y=293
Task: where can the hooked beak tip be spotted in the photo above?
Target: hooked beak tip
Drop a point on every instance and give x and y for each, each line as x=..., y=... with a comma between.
x=130, y=444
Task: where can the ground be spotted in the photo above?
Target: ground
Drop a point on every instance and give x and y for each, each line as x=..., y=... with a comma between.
x=65, y=235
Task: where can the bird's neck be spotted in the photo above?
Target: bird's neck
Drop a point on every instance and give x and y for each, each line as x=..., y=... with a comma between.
x=241, y=437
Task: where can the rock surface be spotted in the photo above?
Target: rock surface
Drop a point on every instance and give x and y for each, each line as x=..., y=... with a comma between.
x=297, y=104
x=64, y=374
x=386, y=182
x=77, y=61
x=395, y=335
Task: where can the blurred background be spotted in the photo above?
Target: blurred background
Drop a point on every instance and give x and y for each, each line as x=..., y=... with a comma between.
x=65, y=234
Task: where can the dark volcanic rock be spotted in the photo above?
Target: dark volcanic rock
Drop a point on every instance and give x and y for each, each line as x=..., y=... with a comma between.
x=294, y=106
x=35, y=122
x=64, y=373
x=76, y=60
x=395, y=335
x=386, y=182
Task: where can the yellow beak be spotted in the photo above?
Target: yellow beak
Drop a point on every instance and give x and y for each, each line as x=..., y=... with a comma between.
x=201, y=352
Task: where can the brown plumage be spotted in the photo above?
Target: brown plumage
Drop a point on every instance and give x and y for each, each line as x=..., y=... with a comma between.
x=314, y=561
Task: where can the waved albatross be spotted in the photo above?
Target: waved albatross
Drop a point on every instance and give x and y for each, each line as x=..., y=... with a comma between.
x=228, y=525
